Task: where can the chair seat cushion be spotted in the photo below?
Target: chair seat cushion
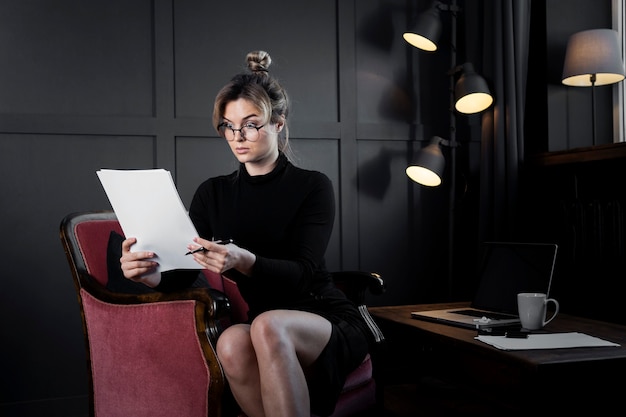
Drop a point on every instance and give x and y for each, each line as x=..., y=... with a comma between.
x=359, y=392
x=360, y=376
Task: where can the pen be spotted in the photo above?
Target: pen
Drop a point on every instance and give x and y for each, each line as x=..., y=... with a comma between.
x=203, y=249
x=516, y=334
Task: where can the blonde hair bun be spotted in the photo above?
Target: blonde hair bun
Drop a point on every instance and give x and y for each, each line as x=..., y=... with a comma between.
x=258, y=61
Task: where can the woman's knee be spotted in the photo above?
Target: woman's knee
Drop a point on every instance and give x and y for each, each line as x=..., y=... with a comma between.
x=233, y=347
x=268, y=333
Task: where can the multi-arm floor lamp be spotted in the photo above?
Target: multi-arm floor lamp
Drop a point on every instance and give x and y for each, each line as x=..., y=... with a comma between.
x=469, y=94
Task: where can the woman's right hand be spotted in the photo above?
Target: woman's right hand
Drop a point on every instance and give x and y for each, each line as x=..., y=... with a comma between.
x=219, y=257
x=137, y=266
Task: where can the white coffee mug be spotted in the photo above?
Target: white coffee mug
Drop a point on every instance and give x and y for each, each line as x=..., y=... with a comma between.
x=532, y=307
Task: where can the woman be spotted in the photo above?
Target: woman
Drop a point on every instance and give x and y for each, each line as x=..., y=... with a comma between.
x=302, y=336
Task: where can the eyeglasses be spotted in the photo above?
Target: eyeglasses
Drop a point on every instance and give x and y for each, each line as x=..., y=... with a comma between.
x=248, y=131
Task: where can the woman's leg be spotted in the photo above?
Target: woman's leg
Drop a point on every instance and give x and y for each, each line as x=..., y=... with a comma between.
x=285, y=342
x=236, y=354
x=264, y=362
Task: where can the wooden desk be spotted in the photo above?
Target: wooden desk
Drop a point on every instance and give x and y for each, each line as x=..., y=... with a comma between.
x=568, y=379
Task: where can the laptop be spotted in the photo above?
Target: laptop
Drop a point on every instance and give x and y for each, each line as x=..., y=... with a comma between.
x=507, y=268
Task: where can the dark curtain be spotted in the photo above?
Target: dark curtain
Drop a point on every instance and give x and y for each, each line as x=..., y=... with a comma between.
x=505, y=43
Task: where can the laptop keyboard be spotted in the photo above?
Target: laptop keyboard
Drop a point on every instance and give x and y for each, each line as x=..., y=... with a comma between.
x=489, y=314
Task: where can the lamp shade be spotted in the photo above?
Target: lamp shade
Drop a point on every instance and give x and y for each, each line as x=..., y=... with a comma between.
x=593, y=52
x=425, y=32
x=471, y=92
x=429, y=165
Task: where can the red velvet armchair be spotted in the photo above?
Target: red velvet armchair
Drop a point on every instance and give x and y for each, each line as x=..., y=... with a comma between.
x=153, y=354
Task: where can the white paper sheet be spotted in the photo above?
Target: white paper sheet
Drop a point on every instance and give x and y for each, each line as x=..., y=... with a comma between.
x=149, y=208
x=545, y=341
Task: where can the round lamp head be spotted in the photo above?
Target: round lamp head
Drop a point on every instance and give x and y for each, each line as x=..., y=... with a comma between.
x=428, y=166
x=471, y=92
x=593, y=52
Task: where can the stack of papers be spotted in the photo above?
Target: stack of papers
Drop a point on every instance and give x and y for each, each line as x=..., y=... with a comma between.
x=545, y=341
x=149, y=208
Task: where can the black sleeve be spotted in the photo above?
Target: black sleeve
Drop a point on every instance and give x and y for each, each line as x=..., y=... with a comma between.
x=179, y=279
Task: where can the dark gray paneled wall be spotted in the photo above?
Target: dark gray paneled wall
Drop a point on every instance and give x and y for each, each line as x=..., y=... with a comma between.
x=130, y=84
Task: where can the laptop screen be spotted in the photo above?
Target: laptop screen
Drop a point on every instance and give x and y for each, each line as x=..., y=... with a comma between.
x=508, y=268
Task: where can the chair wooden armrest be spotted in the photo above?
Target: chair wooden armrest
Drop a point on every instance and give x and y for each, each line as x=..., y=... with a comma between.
x=215, y=302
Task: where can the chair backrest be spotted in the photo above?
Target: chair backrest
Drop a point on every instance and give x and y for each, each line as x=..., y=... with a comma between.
x=87, y=235
x=148, y=354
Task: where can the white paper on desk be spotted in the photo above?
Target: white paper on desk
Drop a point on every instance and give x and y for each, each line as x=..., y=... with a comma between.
x=148, y=207
x=545, y=341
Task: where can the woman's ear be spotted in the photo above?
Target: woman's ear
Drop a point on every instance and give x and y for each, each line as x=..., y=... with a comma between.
x=280, y=124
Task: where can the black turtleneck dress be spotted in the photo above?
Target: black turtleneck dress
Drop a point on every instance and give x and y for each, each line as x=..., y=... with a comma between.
x=286, y=218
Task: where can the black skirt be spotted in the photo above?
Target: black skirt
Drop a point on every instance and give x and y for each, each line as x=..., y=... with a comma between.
x=348, y=345
x=344, y=352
